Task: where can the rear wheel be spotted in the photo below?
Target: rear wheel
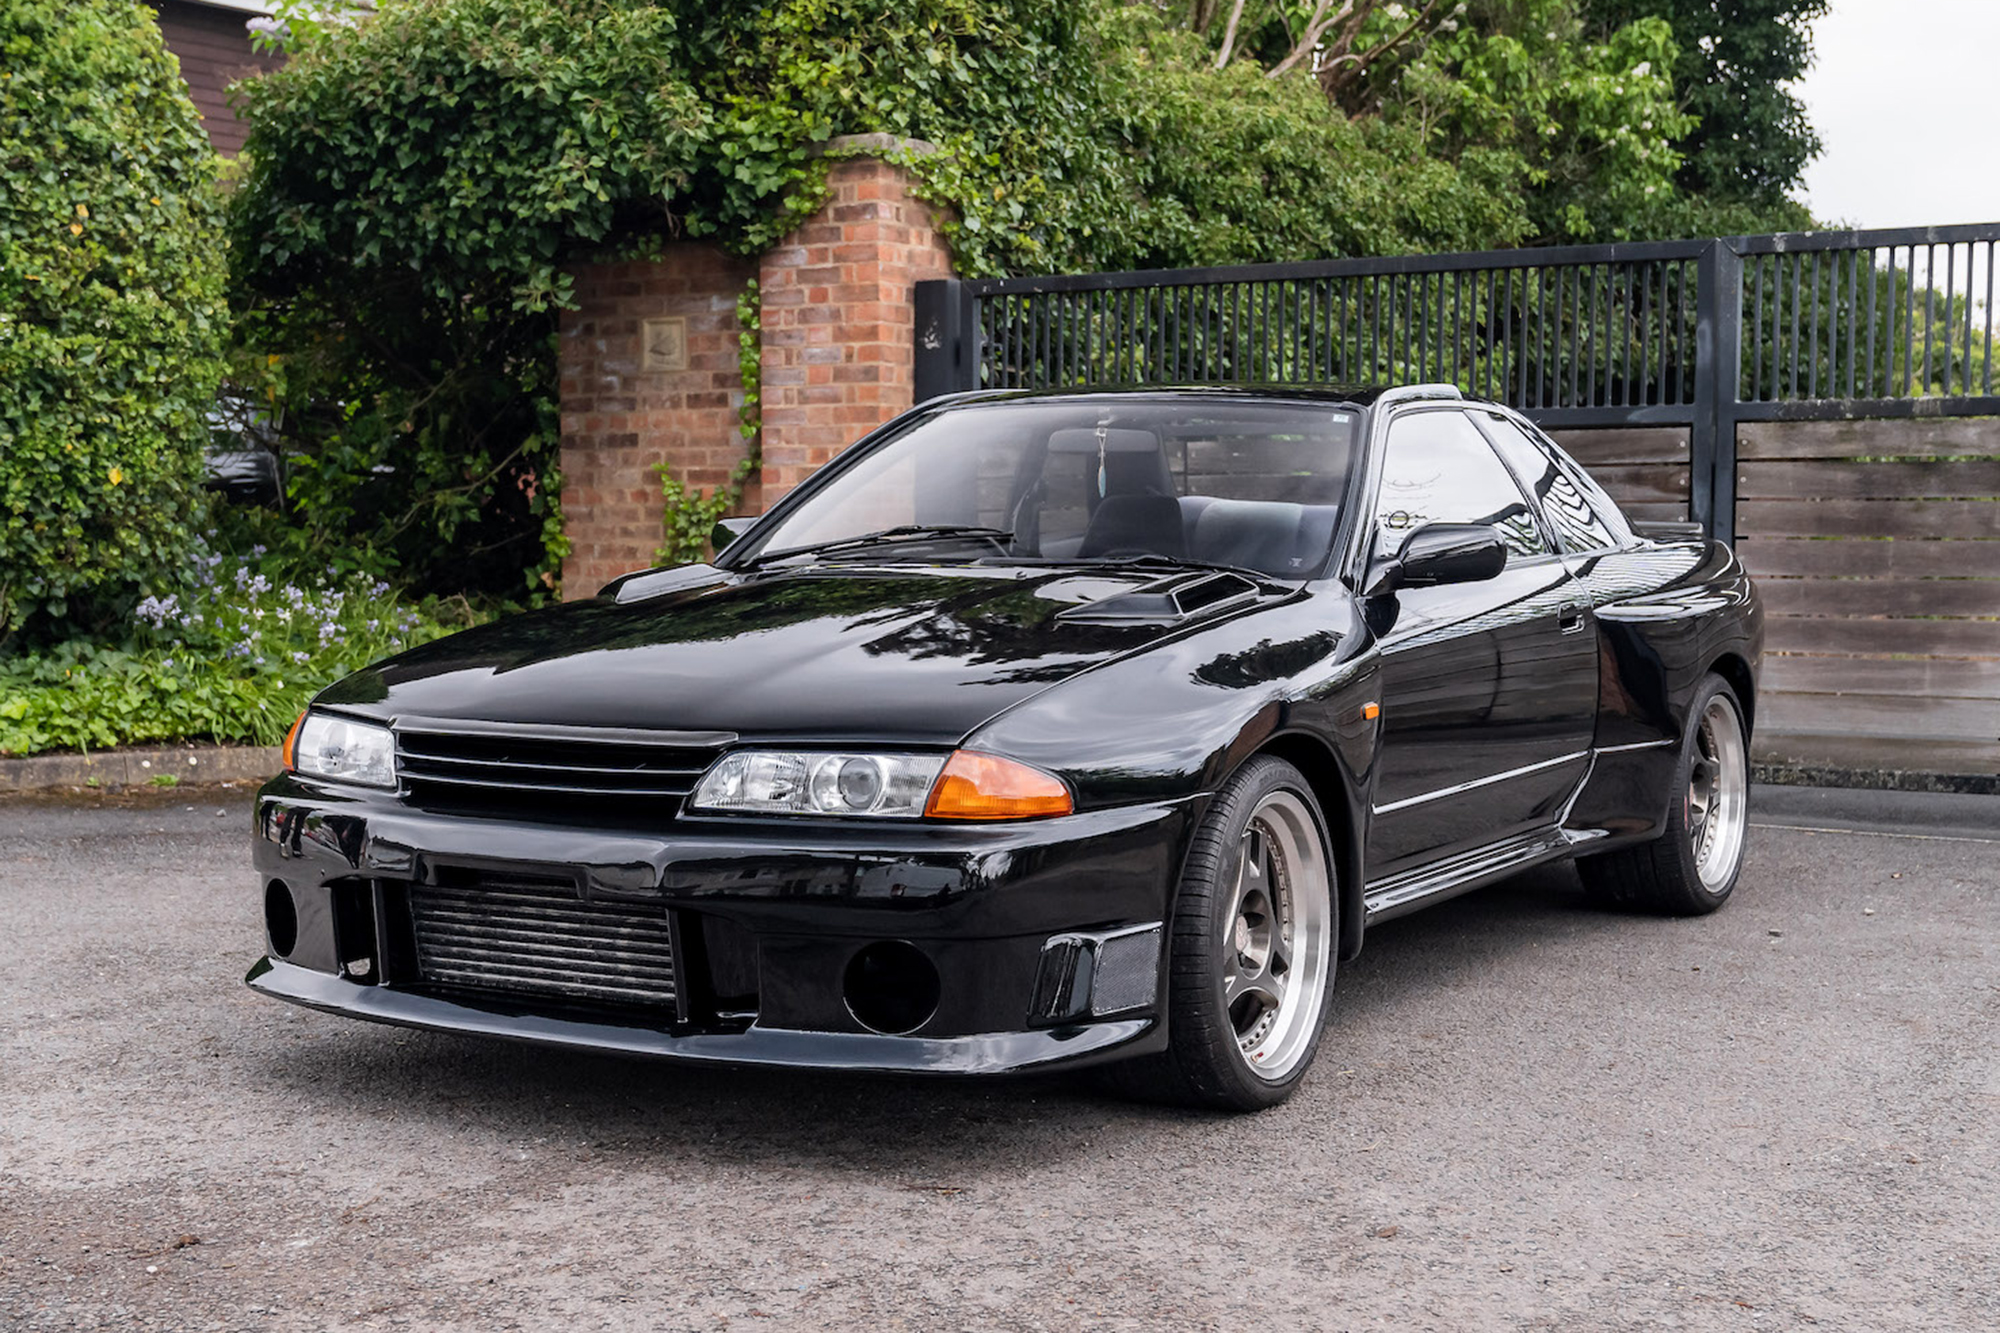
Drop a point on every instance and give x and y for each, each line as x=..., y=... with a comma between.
x=1251, y=960
x=1691, y=868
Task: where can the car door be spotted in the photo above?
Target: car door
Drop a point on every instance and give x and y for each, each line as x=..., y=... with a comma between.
x=1489, y=689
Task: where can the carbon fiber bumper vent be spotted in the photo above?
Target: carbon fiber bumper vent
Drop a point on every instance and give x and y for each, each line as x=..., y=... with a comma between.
x=1095, y=975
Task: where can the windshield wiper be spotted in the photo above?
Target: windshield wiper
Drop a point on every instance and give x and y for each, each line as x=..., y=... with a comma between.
x=906, y=532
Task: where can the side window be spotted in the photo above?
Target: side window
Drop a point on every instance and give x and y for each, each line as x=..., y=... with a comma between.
x=1583, y=516
x=1438, y=468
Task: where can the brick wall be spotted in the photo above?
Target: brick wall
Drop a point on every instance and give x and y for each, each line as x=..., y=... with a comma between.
x=839, y=309
x=837, y=349
x=619, y=418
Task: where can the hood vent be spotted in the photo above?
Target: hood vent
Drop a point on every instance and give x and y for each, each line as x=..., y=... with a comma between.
x=1164, y=601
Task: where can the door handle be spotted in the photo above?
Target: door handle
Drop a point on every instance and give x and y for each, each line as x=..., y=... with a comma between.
x=1570, y=620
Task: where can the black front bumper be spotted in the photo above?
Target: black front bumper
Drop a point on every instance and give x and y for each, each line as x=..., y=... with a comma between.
x=767, y=919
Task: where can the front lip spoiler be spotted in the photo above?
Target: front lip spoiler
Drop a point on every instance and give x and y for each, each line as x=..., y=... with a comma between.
x=986, y=1053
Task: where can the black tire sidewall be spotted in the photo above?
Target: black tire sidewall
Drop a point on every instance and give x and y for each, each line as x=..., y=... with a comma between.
x=1203, y=1041
x=1677, y=825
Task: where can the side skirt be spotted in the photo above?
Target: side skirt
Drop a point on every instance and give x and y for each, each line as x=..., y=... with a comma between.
x=1398, y=895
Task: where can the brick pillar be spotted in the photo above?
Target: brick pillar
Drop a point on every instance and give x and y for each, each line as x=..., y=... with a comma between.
x=626, y=407
x=838, y=320
x=838, y=316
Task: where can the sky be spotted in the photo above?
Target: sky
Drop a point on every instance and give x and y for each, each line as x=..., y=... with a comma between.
x=1902, y=93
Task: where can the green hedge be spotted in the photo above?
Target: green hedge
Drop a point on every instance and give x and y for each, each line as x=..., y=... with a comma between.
x=111, y=315
x=416, y=184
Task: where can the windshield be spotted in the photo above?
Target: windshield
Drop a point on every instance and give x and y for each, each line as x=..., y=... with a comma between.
x=1257, y=485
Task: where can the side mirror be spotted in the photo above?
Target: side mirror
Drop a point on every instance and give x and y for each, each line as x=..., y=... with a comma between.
x=727, y=530
x=1440, y=553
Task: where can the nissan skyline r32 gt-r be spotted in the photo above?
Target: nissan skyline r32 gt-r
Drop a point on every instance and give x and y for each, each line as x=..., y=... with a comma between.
x=1036, y=730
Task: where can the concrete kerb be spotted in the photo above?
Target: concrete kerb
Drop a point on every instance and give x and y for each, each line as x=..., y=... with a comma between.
x=139, y=768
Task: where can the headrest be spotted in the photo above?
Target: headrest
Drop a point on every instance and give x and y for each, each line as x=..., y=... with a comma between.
x=1135, y=523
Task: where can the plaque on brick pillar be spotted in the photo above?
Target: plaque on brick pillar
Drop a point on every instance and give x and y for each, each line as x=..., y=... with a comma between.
x=666, y=344
x=650, y=366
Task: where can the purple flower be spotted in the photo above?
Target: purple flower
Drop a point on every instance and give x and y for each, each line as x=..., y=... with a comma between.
x=257, y=550
x=155, y=610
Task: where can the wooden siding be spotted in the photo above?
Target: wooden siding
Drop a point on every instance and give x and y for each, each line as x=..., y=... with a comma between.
x=213, y=46
x=1877, y=547
x=1645, y=468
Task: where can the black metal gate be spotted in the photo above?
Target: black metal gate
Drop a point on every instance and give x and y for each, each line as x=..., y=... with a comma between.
x=1696, y=334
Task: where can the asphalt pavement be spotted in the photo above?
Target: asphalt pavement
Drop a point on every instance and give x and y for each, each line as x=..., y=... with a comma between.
x=1529, y=1114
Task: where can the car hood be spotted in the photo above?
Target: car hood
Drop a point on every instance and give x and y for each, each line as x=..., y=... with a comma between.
x=887, y=653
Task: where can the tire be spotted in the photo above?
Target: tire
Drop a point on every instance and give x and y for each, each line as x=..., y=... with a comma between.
x=1692, y=867
x=1251, y=950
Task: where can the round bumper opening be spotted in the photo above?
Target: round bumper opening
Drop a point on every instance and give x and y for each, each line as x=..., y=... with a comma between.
x=891, y=987
x=281, y=918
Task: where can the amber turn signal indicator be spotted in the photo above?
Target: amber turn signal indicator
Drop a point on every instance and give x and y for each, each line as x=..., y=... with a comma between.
x=1370, y=711
x=291, y=740
x=985, y=786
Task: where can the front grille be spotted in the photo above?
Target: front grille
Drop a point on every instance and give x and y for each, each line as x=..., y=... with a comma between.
x=551, y=770
x=518, y=934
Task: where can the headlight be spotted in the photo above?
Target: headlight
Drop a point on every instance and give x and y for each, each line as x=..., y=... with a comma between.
x=961, y=785
x=783, y=782
x=342, y=750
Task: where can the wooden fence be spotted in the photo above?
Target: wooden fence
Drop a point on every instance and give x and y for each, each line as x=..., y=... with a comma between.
x=1876, y=545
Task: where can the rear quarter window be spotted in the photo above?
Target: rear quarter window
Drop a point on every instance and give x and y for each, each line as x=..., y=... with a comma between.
x=1582, y=516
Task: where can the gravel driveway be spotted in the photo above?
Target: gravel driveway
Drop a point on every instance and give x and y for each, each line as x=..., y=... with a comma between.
x=1530, y=1115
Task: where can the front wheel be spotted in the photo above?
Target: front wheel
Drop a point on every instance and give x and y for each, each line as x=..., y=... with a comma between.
x=1691, y=868
x=1251, y=959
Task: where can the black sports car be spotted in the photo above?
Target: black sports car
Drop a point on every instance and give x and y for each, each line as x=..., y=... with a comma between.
x=1035, y=730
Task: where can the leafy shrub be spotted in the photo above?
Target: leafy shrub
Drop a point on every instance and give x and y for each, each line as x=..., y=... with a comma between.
x=1207, y=166
x=232, y=657
x=416, y=184
x=111, y=315
x=689, y=515
x=412, y=188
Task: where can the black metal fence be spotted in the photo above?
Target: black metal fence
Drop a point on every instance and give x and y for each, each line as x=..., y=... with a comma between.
x=1700, y=334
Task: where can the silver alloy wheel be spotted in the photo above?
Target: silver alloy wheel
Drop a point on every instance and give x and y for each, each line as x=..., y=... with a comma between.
x=1278, y=948
x=1718, y=796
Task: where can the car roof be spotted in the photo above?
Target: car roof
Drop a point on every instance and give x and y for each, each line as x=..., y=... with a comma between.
x=1369, y=395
